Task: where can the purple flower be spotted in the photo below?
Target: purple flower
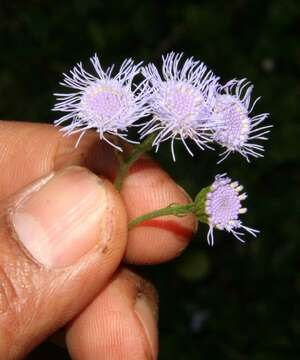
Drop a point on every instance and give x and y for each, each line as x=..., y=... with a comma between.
x=235, y=129
x=181, y=102
x=220, y=207
x=107, y=103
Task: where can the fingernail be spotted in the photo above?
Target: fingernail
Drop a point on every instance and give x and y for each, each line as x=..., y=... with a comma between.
x=58, y=221
x=147, y=315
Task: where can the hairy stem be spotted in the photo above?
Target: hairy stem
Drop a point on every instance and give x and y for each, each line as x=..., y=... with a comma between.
x=173, y=209
x=137, y=152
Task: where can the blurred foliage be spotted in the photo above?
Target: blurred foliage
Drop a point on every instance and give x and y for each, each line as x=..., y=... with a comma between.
x=231, y=301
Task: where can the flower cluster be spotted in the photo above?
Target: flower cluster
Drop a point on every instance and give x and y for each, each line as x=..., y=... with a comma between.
x=219, y=205
x=184, y=101
x=109, y=104
x=181, y=102
x=235, y=129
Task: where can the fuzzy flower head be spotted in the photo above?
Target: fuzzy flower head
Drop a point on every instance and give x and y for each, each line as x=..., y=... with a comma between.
x=219, y=205
x=236, y=129
x=181, y=102
x=107, y=103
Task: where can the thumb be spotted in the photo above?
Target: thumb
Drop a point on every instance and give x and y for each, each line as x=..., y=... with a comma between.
x=61, y=239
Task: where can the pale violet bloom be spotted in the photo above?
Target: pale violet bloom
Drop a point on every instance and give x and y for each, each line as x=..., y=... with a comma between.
x=222, y=207
x=181, y=102
x=236, y=129
x=102, y=101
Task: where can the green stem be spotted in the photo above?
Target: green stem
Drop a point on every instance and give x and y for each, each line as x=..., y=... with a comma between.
x=173, y=209
x=138, y=151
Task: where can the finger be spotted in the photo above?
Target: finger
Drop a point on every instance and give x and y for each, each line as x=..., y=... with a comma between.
x=61, y=235
x=148, y=187
x=29, y=151
x=120, y=324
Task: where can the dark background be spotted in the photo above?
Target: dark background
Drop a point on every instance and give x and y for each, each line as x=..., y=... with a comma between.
x=231, y=301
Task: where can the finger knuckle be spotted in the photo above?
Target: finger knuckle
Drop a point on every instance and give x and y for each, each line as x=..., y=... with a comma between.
x=15, y=286
x=8, y=292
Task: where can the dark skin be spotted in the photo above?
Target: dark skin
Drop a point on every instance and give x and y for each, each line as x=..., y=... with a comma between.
x=106, y=310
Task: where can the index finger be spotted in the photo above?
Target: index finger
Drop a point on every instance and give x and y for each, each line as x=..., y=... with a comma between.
x=29, y=151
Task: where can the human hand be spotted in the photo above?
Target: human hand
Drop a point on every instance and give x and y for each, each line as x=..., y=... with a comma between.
x=64, y=245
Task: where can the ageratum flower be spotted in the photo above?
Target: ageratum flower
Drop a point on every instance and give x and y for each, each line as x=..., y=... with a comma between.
x=107, y=103
x=219, y=205
x=235, y=129
x=181, y=102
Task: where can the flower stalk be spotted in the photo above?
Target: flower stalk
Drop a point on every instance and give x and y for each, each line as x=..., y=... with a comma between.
x=125, y=164
x=173, y=209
